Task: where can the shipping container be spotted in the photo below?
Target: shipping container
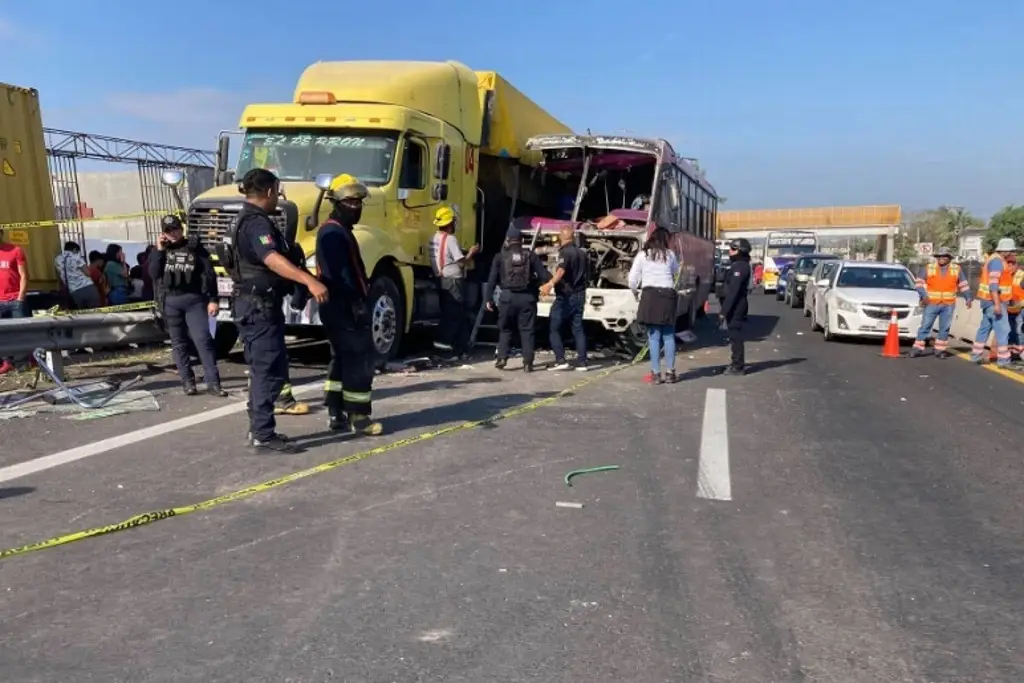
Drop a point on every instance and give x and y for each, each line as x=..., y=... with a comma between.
x=25, y=194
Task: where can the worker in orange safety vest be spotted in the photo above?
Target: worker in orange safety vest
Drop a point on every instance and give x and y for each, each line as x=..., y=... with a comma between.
x=995, y=291
x=939, y=284
x=1013, y=309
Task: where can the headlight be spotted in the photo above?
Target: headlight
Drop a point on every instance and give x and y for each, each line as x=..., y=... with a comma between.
x=845, y=305
x=918, y=310
x=311, y=262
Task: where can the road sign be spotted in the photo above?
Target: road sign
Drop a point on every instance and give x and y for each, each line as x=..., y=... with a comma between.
x=923, y=248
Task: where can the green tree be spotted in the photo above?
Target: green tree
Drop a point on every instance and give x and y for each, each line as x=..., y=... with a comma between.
x=1007, y=222
x=942, y=226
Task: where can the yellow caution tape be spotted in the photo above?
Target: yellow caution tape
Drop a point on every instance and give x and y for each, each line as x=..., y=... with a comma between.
x=160, y=515
x=95, y=219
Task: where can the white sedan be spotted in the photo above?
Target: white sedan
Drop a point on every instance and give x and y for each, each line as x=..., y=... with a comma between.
x=858, y=298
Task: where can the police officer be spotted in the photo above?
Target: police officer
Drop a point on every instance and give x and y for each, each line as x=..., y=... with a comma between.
x=187, y=296
x=256, y=256
x=519, y=271
x=449, y=264
x=734, y=308
x=347, y=392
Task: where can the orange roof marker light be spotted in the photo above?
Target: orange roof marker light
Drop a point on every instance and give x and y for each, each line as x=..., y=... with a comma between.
x=317, y=97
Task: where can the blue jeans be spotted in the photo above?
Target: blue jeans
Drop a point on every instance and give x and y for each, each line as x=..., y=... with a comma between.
x=568, y=308
x=1016, y=321
x=658, y=335
x=932, y=312
x=118, y=297
x=11, y=309
x=990, y=323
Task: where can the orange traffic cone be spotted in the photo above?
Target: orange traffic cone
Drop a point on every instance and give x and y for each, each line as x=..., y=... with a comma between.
x=891, y=349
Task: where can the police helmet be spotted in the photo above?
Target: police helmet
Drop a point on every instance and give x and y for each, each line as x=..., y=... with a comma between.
x=346, y=186
x=171, y=222
x=944, y=251
x=741, y=245
x=444, y=216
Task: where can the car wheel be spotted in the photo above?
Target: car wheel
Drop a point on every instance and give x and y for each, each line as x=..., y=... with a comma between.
x=224, y=340
x=794, y=302
x=827, y=336
x=807, y=310
x=814, y=322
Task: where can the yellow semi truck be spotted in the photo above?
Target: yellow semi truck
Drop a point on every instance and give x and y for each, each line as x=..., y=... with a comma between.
x=27, y=212
x=419, y=135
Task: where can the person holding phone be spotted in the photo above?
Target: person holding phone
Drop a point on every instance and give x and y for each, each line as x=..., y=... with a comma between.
x=187, y=297
x=449, y=265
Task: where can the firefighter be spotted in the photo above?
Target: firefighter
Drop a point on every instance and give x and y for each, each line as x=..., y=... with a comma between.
x=347, y=391
x=939, y=284
x=994, y=291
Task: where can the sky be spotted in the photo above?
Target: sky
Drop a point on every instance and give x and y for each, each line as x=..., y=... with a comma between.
x=786, y=103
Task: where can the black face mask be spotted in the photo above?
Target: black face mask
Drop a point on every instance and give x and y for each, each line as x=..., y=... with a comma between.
x=347, y=215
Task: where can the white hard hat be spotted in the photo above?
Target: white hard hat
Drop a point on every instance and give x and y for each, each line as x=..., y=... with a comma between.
x=1006, y=244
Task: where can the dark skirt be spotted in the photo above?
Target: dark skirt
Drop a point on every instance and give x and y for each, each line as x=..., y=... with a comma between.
x=657, y=306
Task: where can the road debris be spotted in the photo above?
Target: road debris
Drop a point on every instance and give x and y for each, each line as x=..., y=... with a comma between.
x=564, y=504
x=588, y=470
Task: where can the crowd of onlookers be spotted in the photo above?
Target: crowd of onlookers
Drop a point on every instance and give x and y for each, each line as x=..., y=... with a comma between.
x=104, y=280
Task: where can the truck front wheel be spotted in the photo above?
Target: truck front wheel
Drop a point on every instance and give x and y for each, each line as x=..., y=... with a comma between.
x=387, y=318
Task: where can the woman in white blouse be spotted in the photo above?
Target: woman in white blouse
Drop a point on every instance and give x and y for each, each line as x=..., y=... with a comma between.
x=653, y=278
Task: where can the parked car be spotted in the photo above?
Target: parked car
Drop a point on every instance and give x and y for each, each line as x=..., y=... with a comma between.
x=780, y=288
x=798, y=275
x=859, y=298
x=822, y=272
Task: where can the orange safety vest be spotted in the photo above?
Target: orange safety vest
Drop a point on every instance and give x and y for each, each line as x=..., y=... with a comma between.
x=942, y=289
x=1017, y=292
x=1005, y=281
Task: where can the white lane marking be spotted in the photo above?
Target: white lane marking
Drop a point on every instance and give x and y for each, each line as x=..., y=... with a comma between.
x=713, y=477
x=121, y=440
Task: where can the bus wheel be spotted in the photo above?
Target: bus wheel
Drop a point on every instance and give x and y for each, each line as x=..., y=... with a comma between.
x=386, y=316
x=225, y=339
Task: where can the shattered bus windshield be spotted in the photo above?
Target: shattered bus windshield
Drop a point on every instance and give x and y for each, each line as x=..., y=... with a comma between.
x=617, y=183
x=296, y=155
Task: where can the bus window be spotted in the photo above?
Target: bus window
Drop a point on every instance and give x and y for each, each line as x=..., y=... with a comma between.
x=668, y=201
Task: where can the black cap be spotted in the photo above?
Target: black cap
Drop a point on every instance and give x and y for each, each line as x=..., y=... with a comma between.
x=514, y=234
x=171, y=222
x=740, y=245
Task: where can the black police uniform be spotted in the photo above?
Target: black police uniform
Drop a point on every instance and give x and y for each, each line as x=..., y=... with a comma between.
x=520, y=272
x=347, y=392
x=186, y=284
x=259, y=298
x=734, y=308
x=570, y=301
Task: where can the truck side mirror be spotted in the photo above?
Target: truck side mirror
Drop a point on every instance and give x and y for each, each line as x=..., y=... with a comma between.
x=443, y=160
x=323, y=181
x=439, y=192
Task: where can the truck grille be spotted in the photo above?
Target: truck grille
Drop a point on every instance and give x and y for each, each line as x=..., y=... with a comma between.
x=212, y=223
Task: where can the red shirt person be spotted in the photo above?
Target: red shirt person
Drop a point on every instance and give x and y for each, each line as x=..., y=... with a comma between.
x=13, y=286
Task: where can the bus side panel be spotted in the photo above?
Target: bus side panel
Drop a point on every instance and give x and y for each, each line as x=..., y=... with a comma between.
x=25, y=194
x=697, y=256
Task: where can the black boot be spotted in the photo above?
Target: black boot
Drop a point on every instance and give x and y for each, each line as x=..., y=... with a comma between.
x=337, y=421
x=501, y=363
x=190, y=388
x=216, y=390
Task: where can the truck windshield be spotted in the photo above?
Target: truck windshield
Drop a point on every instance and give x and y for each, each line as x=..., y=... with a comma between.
x=303, y=154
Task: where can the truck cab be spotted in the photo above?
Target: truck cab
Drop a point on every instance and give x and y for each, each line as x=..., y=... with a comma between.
x=418, y=135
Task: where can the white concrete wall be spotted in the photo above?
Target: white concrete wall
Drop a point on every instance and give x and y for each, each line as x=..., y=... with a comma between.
x=113, y=193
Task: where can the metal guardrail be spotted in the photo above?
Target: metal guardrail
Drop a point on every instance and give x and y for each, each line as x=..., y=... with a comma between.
x=69, y=331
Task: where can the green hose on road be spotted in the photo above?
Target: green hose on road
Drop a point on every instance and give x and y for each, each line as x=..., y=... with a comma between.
x=589, y=470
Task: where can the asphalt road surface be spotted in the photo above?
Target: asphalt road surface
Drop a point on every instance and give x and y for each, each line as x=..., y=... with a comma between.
x=832, y=516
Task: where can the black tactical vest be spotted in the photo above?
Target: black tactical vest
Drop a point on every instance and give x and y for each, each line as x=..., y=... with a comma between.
x=515, y=271
x=180, y=270
x=248, y=276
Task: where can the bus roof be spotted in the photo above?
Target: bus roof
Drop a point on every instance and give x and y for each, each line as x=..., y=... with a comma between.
x=625, y=143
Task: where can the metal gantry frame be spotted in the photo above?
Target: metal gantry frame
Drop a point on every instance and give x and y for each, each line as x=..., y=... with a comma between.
x=65, y=148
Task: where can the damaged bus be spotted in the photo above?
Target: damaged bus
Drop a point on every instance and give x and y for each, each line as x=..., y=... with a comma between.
x=615, y=190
